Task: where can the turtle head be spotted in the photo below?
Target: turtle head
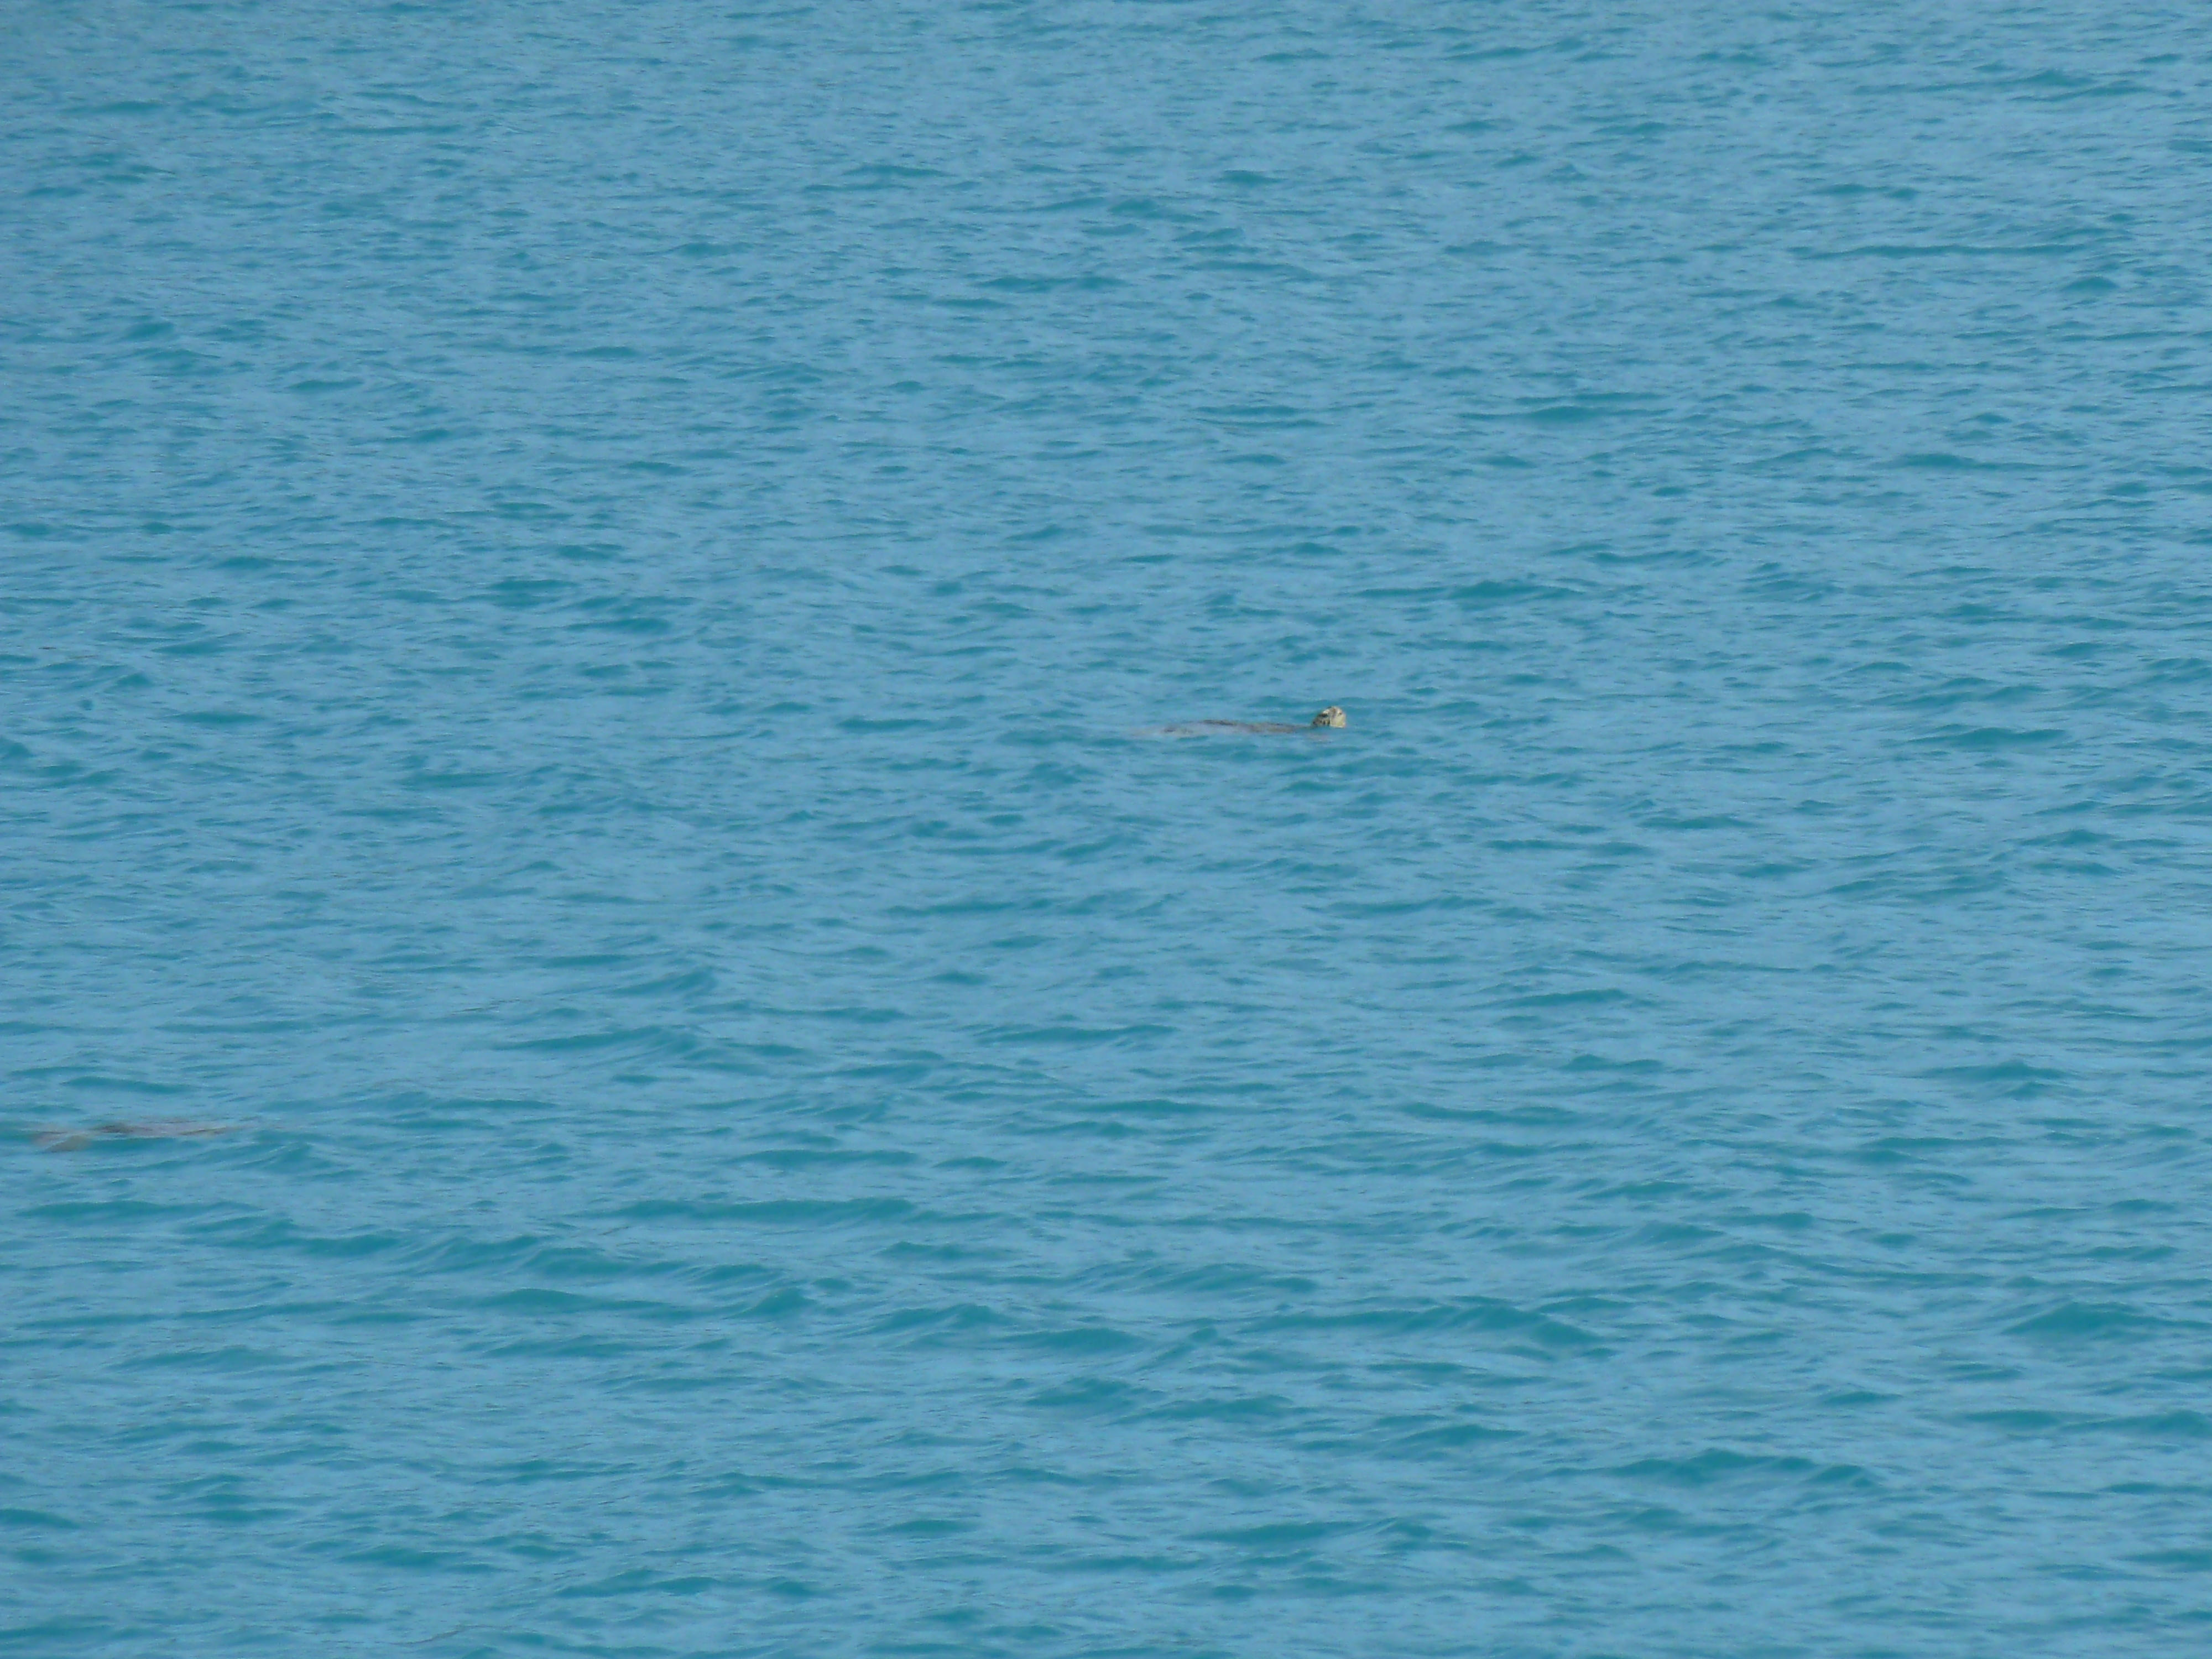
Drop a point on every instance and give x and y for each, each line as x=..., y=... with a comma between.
x=1331, y=715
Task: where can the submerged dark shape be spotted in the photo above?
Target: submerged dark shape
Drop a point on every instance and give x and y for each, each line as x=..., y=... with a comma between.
x=68, y=1140
x=1331, y=716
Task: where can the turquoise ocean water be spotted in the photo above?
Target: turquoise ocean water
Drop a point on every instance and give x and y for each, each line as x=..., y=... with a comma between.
x=580, y=590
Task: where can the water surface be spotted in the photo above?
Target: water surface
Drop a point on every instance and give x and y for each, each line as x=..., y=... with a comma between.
x=578, y=585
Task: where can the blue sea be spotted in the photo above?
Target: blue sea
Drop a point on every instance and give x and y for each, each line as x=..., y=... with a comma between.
x=626, y=1028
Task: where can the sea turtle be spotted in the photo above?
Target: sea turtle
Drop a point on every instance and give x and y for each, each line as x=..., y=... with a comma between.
x=1330, y=716
x=68, y=1140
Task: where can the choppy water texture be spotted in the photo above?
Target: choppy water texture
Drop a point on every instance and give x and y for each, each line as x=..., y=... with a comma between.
x=579, y=581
